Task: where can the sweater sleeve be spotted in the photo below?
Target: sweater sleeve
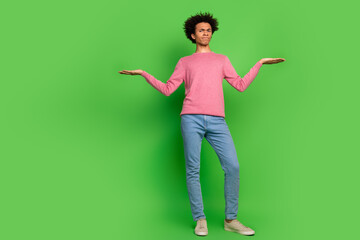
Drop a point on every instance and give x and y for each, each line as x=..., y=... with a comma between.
x=172, y=84
x=235, y=80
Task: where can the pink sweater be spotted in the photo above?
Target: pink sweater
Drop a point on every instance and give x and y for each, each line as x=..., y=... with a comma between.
x=203, y=74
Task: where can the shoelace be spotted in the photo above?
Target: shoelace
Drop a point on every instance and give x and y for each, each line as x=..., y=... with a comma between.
x=242, y=225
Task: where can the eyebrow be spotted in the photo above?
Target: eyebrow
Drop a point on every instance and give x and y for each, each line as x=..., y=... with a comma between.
x=204, y=29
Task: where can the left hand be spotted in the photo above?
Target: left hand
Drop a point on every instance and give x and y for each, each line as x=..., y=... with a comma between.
x=271, y=60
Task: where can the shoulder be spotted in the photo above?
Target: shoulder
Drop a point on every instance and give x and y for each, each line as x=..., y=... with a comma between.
x=223, y=56
x=185, y=58
x=220, y=55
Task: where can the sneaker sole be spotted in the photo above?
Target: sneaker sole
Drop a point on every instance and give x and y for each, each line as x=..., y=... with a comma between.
x=201, y=233
x=233, y=230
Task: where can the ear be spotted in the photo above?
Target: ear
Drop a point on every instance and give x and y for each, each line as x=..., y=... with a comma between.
x=193, y=36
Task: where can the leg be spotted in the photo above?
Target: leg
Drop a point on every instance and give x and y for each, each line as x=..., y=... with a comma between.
x=193, y=132
x=219, y=137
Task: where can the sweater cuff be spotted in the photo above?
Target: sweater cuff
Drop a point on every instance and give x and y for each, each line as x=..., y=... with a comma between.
x=143, y=73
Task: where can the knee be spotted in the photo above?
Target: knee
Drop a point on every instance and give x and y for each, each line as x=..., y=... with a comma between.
x=233, y=169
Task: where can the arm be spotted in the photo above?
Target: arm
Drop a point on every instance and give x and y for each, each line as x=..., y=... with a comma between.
x=235, y=80
x=171, y=85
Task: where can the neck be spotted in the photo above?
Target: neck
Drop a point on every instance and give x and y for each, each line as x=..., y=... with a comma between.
x=202, y=49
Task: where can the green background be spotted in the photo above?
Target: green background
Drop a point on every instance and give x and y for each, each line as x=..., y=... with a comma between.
x=87, y=153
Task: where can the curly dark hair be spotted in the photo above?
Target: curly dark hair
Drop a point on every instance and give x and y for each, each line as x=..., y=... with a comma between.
x=190, y=23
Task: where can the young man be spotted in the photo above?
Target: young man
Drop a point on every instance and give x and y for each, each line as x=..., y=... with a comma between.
x=203, y=115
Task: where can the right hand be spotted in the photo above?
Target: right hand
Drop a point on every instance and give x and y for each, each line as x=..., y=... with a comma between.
x=132, y=72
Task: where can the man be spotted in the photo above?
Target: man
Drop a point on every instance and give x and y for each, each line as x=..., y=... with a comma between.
x=203, y=115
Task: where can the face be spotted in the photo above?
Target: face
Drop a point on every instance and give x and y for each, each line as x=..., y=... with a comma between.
x=203, y=33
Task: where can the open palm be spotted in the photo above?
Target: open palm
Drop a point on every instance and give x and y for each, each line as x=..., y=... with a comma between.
x=272, y=60
x=131, y=72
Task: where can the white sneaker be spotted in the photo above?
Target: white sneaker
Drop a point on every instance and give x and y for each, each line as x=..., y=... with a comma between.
x=201, y=227
x=238, y=227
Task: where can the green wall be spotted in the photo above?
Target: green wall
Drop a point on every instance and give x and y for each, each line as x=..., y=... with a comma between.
x=87, y=153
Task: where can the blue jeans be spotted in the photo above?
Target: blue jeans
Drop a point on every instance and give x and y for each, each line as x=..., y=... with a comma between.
x=194, y=127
